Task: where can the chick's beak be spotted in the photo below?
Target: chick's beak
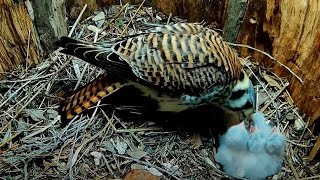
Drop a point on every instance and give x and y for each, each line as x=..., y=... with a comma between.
x=249, y=124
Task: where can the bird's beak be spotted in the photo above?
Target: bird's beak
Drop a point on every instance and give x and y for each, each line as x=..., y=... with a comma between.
x=249, y=124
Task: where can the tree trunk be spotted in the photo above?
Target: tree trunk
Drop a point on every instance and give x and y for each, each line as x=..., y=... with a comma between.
x=289, y=30
x=18, y=44
x=50, y=21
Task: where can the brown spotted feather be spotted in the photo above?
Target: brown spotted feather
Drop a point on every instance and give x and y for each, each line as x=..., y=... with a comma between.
x=87, y=96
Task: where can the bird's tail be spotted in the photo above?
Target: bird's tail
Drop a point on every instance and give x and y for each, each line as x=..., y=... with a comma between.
x=88, y=95
x=98, y=54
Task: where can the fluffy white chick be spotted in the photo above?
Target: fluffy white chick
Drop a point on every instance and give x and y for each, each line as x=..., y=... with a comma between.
x=254, y=155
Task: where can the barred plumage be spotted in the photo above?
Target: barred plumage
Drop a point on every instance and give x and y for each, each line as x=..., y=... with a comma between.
x=184, y=58
x=188, y=57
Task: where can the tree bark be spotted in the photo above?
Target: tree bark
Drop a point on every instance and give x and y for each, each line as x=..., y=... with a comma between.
x=18, y=43
x=50, y=21
x=289, y=30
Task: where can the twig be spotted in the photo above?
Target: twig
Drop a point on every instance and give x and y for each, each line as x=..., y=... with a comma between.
x=113, y=18
x=274, y=97
x=42, y=129
x=18, y=90
x=293, y=169
x=125, y=29
x=148, y=164
x=249, y=47
x=29, y=101
x=311, y=177
x=77, y=21
x=297, y=144
x=137, y=130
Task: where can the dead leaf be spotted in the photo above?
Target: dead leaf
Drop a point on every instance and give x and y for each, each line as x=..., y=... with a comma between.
x=35, y=114
x=121, y=146
x=138, y=174
x=47, y=165
x=271, y=81
x=154, y=171
x=195, y=141
x=97, y=156
x=170, y=167
x=109, y=146
x=138, y=154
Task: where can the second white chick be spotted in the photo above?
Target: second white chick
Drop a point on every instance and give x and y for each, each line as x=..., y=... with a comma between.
x=253, y=155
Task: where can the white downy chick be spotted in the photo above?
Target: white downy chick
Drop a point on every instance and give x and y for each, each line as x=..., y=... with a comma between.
x=253, y=156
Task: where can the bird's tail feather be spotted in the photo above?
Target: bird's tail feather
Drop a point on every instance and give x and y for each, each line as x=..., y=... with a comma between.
x=98, y=54
x=86, y=96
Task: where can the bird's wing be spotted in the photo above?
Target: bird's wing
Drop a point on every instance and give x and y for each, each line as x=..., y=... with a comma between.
x=185, y=57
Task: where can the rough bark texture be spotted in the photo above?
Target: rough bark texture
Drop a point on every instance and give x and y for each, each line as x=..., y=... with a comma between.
x=50, y=21
x=289, y=30
x=194, y=11
x=18, y=42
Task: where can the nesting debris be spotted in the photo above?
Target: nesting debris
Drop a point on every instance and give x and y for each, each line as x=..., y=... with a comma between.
x=101, y=145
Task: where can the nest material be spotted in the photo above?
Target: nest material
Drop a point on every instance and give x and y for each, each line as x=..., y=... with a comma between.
x=102, y=146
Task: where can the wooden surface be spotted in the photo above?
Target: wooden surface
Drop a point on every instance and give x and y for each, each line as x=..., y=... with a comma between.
x=289, y=30
x=17, y=37
x=50, y=20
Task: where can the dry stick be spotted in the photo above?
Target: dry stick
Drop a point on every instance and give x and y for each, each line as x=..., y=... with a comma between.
x=113, y=18
x=131, y=19
x=42, y=129
x=264, y=88
x=40, y=90
x=28, y=49
x=297, y=144
x=77, y=21
x=9, y=140
x=168, y=20
x=293, y=169
x=74, y=157
x=29, y=101
x=249, y=47
x=304, y=130
x=107, y=164
x=148, y=164
x=124, y=126
x=109, y=121
x=137, y=130
x=15, y=93
x=274, y=97
x=19, y=102
x=311, y=177
x=86, y=65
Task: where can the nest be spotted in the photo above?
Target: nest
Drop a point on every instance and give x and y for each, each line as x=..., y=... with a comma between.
x=102, y=146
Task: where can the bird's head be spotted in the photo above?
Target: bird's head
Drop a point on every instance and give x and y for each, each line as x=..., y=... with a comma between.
x=242, y=97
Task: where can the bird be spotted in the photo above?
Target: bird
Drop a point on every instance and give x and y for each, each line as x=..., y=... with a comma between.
x=178, y=65
x=254, y=154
